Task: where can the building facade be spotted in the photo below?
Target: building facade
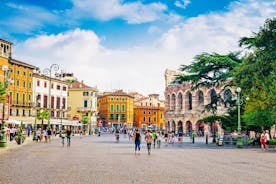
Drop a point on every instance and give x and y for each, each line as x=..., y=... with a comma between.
x=149, y=112
x=116, y=109
x=58, y=100
x=184, y=107
x=82, y=101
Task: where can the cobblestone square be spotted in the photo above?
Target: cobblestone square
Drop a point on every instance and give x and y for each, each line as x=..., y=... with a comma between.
x=102, y=160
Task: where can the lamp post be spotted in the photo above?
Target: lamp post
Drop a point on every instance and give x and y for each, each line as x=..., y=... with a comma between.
x=3, y=139
x=48, y=72
x=239, y=103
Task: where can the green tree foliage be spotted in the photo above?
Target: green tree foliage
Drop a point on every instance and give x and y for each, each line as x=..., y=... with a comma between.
x=257, y=77
x=211, y=71
x=43, y=115
x=85, y=120
x=2, y=93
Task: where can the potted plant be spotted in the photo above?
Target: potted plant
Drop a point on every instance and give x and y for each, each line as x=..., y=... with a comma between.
x=20, y=138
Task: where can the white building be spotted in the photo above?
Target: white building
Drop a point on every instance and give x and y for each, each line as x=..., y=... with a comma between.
x=58, y=91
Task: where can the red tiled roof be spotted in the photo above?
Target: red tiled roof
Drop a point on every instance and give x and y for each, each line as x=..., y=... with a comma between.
x=78, y=85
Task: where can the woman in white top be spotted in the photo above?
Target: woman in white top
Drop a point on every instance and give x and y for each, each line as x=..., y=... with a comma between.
x=266, y=139
x=45, y=135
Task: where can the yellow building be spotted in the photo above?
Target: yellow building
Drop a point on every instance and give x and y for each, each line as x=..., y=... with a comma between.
x=19, y=81
x=116, y=109
x=82, y=101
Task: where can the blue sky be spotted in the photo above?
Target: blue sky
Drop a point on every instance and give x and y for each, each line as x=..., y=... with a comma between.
x=123, y=43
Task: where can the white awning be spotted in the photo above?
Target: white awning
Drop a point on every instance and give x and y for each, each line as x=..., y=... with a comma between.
x=66, y=123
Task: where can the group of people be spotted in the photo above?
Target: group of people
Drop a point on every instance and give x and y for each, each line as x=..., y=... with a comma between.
x=46, y=134
x=264, y=139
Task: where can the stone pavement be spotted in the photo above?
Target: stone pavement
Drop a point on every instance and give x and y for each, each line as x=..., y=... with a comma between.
x=102, y=160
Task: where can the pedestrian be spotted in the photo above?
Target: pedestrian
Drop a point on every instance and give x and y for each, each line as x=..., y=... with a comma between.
x=38, y=133
x=12, y=131
x=45, y=135
x=262, y=140
x=267, y=138
x=148, y=138
x=193, y=136
x=154, y=136
x=49, y=133
x=68, y=136
x=29, y=131
x=8, y=133
x=166, y=136
x=137, y=140
x=159, y=140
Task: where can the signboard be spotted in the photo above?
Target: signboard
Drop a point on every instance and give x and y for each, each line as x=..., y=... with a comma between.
x=6, y=110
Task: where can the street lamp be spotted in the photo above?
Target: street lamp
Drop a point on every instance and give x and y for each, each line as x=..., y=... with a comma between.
x=48, y=72
x=239, y=103
x=3, y=140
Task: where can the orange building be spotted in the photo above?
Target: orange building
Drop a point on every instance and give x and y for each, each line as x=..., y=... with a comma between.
x=116, y=109
x=149, y=111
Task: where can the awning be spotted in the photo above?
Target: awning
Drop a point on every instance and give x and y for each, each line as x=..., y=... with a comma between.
x=65, y=123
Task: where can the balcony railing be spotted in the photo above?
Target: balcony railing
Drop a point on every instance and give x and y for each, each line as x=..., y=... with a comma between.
x=21, y=104
x=84, y=109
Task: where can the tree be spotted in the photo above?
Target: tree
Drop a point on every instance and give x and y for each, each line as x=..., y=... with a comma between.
x=2, y=93
x=85, y=120
x=210, y=70
x=43, y=115
x=257, y=76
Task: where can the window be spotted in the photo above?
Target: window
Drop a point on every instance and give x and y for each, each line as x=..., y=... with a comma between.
x=17, y=98
x=24, y=84
x=29, y=98
x=10, y=70
x=144, y=119
x=154, y=119
x=52, y=102
x=52, y=86
x=17, y=83
x=11, y=97
x=118, y=99
x=149, y=112
x=30, y=74
x=85, y=103
x=58, y=103
x=23, y=112
x=141, y=104
x=111, y=108
x=111, y=99
x=123, y=117
x=17, y=112
x=154, y=113
x=123, y=108
x=64, y=88
x=38, y=83
x=30, y=85
x=24, y=73
x=85, y=93
x=111, y=117
x=63, y=103
x=23, y=98
x=144, y=112
x=45, y=84
x=18, y=72
x=58, y=87
x=117, y=108
x=149, y=119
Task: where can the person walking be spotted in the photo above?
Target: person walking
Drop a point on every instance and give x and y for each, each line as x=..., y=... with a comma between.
x=137, y=140
x=154, y=136
x=45, y=135
x=148, y=138
x=68, y=136
x=49, y=133
x=267, y=138
x=262, y=140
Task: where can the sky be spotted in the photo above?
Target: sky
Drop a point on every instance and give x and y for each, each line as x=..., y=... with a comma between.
x=127, y=44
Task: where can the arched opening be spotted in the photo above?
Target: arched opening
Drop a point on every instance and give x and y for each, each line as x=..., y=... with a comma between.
x=214, y=129
x=168, y=102
x=188, y=101
x=180, y=101
x=227, y=98
x=189, y=127
x=180, y=126
x=213, y=97
x=200, y=128
x=173, y=102
x=200, y=98
x=173, y=126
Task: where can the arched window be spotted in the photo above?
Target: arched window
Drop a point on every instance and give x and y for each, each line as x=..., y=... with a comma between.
x=173, y=101
x=168, y=102
x=190, y=101
x=200, y=98
x=213, y=96
x=180, y=101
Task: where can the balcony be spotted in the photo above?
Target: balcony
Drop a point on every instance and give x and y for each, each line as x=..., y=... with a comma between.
x=21, y=104
x=84, y=109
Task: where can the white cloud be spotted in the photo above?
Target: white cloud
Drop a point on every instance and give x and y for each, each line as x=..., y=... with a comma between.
x=182, y=3
x=133, y=13
x=142, y=68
